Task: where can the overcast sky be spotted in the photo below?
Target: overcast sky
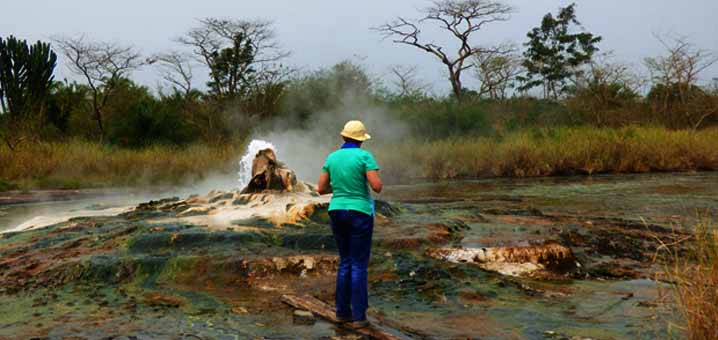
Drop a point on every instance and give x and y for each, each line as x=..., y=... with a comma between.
x=323, y=32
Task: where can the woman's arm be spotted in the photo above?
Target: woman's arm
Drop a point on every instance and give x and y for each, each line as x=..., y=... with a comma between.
x=323, y=186
x=374, y=181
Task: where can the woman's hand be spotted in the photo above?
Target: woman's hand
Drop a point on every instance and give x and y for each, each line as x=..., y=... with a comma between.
x=323, y=186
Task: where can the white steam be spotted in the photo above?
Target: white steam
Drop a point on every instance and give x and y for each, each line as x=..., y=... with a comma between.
x=304, y=150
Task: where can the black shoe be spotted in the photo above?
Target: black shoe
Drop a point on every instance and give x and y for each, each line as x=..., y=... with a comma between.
x=344, y=319
x=359, y=324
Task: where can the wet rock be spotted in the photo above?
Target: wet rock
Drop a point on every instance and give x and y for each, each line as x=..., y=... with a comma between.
x=535, y=261
x=220, y=196
x=560, y=336
x=515, y=212
x=239, y=310
x=162, y=300
x=386, y=209
x=152, y=205
x=195, y=211
x=613, y=270
x=241, y=199
x=303, y=317
x=270, y=174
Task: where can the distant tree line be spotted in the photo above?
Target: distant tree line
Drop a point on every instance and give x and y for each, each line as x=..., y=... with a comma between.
x=560, y=76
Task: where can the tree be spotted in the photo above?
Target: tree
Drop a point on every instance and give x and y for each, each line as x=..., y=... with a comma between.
x=497, y=69
x=343, y=85
x=67, y=101
x=461, y=18
x=554, y=53
x=607, y=92
x=233, y=48
x=176, y=69
x=675, y=77
x=102, y=64
x=26, y=74
x=232, y=68
x=407, y=83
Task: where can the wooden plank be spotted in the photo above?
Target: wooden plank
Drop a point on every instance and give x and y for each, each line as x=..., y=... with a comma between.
x=326, y=311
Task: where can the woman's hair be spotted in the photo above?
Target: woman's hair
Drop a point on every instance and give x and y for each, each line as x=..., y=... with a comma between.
x=349, y=140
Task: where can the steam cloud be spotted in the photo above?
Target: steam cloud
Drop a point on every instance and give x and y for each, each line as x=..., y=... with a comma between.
x=304, y=150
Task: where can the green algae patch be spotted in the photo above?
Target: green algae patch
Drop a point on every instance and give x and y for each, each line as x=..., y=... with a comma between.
x=179, y=268
x=191, y=239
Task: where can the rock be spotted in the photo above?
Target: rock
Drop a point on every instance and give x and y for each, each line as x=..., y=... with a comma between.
x=220, y=196
x=613, y=270
x=536, y=260
x=241, y=199
x=195, y=211
x=158, y=299
x=269, y=174
x=239, y=310
x=303, y=317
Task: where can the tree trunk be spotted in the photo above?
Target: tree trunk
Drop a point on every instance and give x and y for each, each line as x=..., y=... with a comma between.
x=100, y=126
x=455, y=79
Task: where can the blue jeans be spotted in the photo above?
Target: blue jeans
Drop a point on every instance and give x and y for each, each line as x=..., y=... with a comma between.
x=352, y=231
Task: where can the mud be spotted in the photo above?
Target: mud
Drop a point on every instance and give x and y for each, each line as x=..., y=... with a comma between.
x=163, y=270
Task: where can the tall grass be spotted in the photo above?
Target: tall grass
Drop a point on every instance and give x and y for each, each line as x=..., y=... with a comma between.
x=524, y=153
x=556, y=151
x=82, y=164
x=692, y=267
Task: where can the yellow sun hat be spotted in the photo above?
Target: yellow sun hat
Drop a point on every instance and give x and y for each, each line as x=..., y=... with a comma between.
x=355, y=130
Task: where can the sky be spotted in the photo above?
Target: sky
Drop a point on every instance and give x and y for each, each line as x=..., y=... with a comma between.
x=320, y=33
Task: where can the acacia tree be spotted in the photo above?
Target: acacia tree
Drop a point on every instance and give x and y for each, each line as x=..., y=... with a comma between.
x=103, y=65
x=462, y=19
x=555, y=53
x=236, y=52
x=497, y=70
x=26, y=74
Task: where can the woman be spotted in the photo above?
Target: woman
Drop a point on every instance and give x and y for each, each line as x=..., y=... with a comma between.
x=346, y=174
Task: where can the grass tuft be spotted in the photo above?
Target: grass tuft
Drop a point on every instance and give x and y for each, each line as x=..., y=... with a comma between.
x=691, y=265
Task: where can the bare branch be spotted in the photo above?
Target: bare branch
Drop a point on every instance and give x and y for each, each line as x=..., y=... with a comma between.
x=213, y=34
x=406, y=81
x=676, y=75
x=496, y=69
x=101, y=64
x=176, y=69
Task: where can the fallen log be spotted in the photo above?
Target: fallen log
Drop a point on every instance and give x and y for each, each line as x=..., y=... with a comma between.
x=326, y=312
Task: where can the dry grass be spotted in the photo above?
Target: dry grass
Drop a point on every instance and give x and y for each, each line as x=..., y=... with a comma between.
x=80, y=164
x=556, y=151
x=692, y=266
x=537, y=152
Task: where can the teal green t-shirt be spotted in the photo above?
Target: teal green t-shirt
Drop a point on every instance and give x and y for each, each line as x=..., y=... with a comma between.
x=347, y=176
